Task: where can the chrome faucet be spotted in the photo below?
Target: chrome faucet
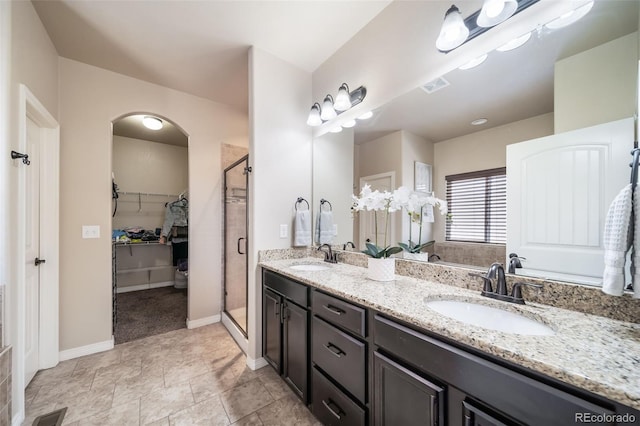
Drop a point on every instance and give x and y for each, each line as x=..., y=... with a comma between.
x=329, y=255
x=496, y=272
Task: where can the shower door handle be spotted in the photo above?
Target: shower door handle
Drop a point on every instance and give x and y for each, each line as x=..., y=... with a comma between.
x=239, y=240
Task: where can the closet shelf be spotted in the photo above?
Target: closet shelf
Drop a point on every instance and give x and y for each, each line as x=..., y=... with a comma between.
x=148, y=268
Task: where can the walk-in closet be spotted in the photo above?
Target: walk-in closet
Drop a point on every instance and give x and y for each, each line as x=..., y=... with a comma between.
x=150, y=230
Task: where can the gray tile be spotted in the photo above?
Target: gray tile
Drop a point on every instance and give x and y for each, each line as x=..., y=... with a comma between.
x=54, y=375
x=65, y=388
x=212, y=383
x=245, y=399
x=208, y=412
x=96, y=361
x=288, y=411
x=116, y=372
x=87, y=404
x=161, y=422
x=251, y=420
x=164, y=402
x=275, y=385
x=184, y=371
x=121, y=415
x=36, y=410
x=135, y=387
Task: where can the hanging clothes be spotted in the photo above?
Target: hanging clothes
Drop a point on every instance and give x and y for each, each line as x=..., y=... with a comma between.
x=176, y=214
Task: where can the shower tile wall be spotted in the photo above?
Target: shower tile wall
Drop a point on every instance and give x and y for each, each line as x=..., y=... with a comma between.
x=5, y=386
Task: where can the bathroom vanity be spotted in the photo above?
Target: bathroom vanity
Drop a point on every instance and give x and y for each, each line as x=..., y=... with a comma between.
x=360, y=352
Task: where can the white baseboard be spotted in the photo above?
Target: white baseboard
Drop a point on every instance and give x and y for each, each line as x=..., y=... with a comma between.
x=87, y=350
x=256, y=364
x=203, y=321
x=235, y=333
x=139, y=287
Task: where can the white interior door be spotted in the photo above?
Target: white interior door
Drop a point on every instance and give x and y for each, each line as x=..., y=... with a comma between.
x=31, y=252
x=559, y=189
x=380, y=182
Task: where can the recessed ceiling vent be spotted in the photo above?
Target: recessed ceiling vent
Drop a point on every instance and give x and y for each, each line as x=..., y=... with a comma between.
x=435, y=85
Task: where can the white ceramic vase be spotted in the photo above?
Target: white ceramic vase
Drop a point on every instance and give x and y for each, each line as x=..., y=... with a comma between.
x=423, y=257
x=382, y=269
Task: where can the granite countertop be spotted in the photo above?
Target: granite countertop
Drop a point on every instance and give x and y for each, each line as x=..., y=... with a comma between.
x=594, y=353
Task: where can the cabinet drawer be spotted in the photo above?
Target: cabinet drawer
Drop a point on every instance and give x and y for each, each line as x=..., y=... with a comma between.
x=339, y=312
x=290, y=289
x=510, y=393
x=341, y=356
x=331, y=406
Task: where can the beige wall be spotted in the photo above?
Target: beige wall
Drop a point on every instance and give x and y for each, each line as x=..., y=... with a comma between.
x=480, y=151
x=149, y=168
x=332, y=176
x=280, y=152
x=92, y=99
x=597, y=86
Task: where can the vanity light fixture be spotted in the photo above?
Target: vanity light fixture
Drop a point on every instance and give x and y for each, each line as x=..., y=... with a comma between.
x=314, y=116
x=569, y=17
x=152, y=123
x=456, y=31
x=349, y=124
x=336, y=129
x=474, y=62
x=367, y=115
x=494, y=12
x=515, y=43
x=329, y=110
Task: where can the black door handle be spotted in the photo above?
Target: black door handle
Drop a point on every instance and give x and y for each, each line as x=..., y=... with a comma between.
x=38, y=261
x=335, y=350
x=239, y=240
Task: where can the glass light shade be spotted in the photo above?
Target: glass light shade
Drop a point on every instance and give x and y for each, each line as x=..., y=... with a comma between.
x=453, y=32
x=343, y=99
x=314, y=116
x=336, y=129
x=367, y=115
x=349, y=124
x=328, y=113
x=152, y=123
x=495, y=11
x=474, y=62
x=569, y=17
x=515, y=43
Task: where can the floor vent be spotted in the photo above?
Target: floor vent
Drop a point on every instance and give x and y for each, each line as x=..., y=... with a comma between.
x=53, y=418
x=435, y=85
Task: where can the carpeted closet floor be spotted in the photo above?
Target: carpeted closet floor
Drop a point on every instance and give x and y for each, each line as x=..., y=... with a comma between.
x=146, y=313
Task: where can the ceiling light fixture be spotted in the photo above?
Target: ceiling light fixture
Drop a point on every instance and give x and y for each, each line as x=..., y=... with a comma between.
x=367, y=115
x=515, y=43
x=479, y=122
x=474, y=62
x=494, y=12
x=569, y=17
x=152, y=123
x=455, y=31
x=329, y=110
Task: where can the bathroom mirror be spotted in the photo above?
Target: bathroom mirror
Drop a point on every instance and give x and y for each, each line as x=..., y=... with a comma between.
x=513, y=90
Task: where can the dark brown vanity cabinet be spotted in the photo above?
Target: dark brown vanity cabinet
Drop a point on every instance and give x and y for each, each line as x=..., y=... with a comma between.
x=285, y=330
x=339, y=358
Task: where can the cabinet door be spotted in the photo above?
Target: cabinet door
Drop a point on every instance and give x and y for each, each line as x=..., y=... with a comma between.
x=402, y=397
x=295, y=351
x=475, y=416
x=272, y=329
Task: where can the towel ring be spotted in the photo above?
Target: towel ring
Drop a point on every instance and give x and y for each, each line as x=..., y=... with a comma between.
x=300, y=200
x=322, y=201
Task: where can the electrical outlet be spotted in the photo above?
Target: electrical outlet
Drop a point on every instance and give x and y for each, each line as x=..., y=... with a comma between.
x=283, y=230
x=90, y=231
x=335, y=229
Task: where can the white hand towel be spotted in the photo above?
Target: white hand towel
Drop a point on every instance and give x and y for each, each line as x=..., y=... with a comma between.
x=617, y=240
x=302, y=228
x=635, y=261
x=324, y=228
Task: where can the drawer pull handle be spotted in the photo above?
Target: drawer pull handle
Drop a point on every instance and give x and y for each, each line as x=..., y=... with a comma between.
x=335, y=350
x=337, y=414
x=333, y=309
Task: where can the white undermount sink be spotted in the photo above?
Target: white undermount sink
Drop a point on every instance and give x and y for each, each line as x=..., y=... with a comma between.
x=490, y=318
x=309, y=267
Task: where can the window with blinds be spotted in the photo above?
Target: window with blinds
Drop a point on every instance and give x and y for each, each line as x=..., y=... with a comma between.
x=477, y=204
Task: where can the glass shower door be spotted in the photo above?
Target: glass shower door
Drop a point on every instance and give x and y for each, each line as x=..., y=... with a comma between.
x=236, y=183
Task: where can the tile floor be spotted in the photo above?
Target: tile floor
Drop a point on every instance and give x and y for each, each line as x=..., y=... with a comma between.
x=183, y=377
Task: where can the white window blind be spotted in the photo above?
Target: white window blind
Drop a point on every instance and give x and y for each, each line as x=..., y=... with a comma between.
x=477, y=204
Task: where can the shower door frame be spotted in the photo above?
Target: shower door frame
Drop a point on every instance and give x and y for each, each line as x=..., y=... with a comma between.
x=245, y=330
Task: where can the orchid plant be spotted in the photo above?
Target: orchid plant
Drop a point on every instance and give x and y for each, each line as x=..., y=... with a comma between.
x=384, y=203
x=415, y=203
